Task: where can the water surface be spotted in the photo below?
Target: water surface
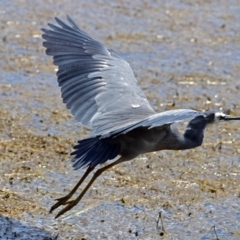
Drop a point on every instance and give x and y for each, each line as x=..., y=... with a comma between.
x=184, y=55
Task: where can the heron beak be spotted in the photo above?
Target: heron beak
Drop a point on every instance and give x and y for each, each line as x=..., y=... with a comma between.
x=229, y=117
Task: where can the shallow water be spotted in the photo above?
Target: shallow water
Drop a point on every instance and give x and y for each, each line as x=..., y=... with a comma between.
x=184, y=55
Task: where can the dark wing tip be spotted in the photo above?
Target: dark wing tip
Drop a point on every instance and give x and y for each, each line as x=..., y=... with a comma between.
x=70, y=20
x=59, y=21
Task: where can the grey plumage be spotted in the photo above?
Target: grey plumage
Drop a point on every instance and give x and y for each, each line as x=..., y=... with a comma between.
x=105, y=79
x=100, y=89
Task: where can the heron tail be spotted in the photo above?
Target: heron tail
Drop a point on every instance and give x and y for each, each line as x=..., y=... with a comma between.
x=94, y=151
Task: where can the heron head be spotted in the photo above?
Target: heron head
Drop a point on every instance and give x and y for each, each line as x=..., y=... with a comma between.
x=214, y=117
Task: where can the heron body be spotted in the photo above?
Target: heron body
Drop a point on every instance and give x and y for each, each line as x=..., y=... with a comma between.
x=100, y=89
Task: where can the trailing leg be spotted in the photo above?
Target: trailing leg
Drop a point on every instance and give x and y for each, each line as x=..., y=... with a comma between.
x=63, y=200
x=71, y=204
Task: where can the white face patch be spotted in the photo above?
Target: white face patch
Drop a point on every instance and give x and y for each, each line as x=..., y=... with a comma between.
x=218, y=116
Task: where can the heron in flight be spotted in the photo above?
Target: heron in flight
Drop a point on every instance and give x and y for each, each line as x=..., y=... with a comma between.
x=99, y=88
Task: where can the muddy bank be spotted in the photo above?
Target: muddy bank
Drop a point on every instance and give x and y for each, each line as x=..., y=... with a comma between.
x=184, y=56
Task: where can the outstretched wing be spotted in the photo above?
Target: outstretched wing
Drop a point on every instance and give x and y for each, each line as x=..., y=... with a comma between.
x=97, y=85
x=156, y=120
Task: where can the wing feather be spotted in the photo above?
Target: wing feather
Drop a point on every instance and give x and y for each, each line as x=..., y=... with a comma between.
x=97, y=85
x=156, y=120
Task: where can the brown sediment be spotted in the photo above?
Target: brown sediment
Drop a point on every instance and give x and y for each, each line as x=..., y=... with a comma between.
x=184, y=56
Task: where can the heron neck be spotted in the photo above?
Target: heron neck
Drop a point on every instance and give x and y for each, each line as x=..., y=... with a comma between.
x=191, y=138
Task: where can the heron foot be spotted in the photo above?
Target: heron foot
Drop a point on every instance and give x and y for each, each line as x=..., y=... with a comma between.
x=60, y=201
x=70, y=205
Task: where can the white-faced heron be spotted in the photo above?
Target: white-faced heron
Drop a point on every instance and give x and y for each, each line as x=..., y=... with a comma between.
x=100, y=89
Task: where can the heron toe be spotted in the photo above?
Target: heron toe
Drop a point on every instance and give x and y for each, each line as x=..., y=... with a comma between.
x=60, y=201
x=69, y=205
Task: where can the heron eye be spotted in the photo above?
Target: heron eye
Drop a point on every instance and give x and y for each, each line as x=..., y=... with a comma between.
x=221, y=117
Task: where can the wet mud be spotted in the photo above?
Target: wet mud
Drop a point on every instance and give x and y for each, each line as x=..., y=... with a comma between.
x=184, y=55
